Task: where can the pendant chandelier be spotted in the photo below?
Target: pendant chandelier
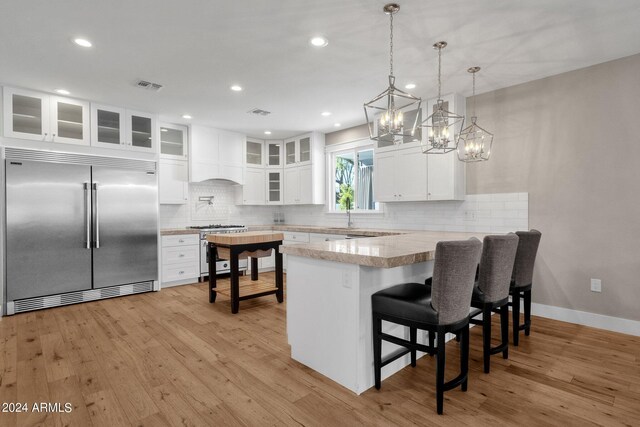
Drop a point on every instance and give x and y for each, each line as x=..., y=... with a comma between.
x=442, y=126
x=475, y=142
x=393, y=115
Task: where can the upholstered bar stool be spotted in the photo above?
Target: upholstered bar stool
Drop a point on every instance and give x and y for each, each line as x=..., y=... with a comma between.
x=521, y=280
x=491, y=292
x=438, y=309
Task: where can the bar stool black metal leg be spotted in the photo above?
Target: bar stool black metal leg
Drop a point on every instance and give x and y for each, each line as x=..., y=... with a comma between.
x=504, y=330
x=377, y=349
x=486, y=337
x=527, y=312
x=464, y=357
x=440, y=372
x=515, y=307
x=413, y=337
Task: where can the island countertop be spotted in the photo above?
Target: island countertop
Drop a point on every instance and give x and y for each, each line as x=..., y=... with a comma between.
x=383, y=252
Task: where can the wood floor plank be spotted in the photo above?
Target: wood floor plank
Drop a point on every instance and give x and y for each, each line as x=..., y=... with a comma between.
x=170, y=358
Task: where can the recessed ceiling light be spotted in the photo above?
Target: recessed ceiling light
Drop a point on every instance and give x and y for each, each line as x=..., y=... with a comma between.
x=410, y=86
x=236, y=88
x=164, y=130
x=82, y=42
x=319, y=41
x=337, y=125
x=326, y=113
x=267, y=132
x=63, y=92
x=186, y=116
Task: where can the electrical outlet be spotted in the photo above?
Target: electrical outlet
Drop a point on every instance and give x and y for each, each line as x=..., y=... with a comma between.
x=470, y=216
x=596, y=285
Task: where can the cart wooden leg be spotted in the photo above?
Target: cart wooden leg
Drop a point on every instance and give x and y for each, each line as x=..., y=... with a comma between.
x=235, y=282
x=279, y=277
x=212, y=272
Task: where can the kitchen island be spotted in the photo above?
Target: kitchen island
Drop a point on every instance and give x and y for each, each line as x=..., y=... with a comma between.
x=329, y=288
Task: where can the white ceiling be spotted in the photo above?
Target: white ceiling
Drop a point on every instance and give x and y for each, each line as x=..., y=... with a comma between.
x=198, y=48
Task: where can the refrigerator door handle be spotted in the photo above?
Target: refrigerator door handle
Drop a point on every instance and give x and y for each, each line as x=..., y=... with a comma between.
x=96, y=215
x=87, y=209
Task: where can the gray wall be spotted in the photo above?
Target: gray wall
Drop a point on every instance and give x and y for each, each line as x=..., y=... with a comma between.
x=572, y=142
x=347, y=135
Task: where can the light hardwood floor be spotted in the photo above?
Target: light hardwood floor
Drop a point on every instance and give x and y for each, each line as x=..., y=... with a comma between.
x=171, y=358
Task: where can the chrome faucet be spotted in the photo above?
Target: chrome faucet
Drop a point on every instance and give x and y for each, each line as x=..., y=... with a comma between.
x=349, y=222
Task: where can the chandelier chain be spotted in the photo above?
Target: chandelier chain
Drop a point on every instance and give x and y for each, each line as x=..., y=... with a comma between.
x=439, y=72
x=391, y=44
x=474, y=95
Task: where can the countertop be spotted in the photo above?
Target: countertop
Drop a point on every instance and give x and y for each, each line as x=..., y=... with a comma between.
x=382, y=252
x=367, y=232
x=178, y=231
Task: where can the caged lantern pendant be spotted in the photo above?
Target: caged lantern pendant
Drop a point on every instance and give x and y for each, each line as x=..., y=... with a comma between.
x=475, y=142
x=393, y=115
x=442, y=126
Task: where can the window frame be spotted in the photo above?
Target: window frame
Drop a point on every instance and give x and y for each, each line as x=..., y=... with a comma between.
x=332, y=152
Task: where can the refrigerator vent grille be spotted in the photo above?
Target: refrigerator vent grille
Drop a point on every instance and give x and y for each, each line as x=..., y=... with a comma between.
x=39, y=303
x=78, y=159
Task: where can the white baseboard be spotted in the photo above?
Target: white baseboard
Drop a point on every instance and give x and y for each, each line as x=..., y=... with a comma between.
x=600, y=321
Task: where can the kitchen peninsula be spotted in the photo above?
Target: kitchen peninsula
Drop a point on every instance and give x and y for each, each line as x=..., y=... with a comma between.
x=329, y=288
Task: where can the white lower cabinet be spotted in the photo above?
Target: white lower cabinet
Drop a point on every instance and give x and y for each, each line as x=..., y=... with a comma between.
x=180, y=259
x=173, y=182
x=292, y=238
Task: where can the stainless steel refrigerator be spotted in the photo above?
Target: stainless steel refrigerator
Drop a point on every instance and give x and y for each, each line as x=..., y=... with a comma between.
x=78, y=228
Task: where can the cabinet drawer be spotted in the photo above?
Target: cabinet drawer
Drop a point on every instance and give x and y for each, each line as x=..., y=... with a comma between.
x=180, y=254
x=296, y=237
x=181, y=240
x=181, y=271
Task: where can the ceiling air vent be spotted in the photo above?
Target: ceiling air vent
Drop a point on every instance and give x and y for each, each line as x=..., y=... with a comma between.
x=259, y=112
x=149, y=85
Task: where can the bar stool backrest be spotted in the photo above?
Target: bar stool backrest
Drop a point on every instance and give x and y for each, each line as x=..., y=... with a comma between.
x=453, y=278
x=496, y=266
x=525, y=257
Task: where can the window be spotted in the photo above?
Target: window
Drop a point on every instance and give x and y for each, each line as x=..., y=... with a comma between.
x=353, y=180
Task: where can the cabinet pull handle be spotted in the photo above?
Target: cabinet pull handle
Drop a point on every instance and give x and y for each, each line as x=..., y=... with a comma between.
x=180, y=272
x=181, y=255
x=180, y=241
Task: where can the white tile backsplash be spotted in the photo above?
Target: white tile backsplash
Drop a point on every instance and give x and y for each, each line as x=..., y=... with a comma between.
x=498, y=213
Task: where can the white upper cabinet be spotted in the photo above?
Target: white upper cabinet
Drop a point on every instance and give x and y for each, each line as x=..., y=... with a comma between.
x=173, y=181
x=401, y=175
x=254, y=152
x=299, y=151
x=42, y=117
x=274, y=153
x=253, y=190
x=274, y=181
x=115, y=127
x=173, y=141
x=216, y=154
x=108, y=128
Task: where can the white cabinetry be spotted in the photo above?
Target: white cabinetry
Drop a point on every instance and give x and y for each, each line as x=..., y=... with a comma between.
x=400, y=175
x=254, y=188
x=216, y=154
x=304, y=170
x=274, y=153
x=180, y=259
x=275, y=184
x=173, y=181
x=42, y=117
x=114, y=127
x=173, y=141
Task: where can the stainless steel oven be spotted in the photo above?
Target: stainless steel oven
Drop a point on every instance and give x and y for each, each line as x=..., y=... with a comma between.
x=222, y=265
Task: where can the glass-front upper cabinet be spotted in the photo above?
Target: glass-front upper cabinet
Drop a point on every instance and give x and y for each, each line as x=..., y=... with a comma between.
x=173, y=141
x=254, y=152
x=274, y=153
x=290, y=152
x=274, y=187
x=42, y=117
x=305, y=149
x=140, y=132
x=108, y=126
